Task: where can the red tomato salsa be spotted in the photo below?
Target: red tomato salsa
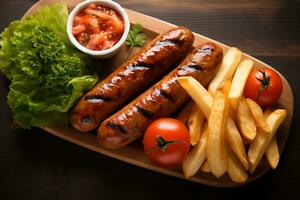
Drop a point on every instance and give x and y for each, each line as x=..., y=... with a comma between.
x=98, y=27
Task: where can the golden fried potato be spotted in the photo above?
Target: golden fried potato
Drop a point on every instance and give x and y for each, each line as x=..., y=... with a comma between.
x=227, y=68
x=216, y=155
x=198, y=93
x=195, y=123
x=245, y=121
x=258, y=115
x=238, y=82
x=196, y=156
x=235, y=141
x=262, y=141
x=272, y=153
x=236, y=170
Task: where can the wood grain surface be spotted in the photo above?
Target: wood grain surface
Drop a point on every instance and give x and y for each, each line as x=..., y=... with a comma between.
x=39, y=166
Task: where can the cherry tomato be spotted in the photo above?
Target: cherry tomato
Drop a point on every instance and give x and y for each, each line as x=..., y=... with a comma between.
x=263, y=86
x=167, y=142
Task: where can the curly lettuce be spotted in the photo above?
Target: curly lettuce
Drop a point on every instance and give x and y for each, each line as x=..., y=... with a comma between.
x=47, y=74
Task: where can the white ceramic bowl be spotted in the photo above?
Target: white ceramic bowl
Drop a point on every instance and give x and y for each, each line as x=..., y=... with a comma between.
x=107, y=53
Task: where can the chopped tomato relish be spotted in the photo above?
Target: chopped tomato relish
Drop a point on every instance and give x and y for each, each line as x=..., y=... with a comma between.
x=98, y=27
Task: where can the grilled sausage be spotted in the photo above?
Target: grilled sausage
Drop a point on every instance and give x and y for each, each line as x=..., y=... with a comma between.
x=146, y=67
x=161, y=100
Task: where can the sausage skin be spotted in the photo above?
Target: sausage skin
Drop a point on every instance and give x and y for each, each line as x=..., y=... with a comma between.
x=141, y=71
x=161, y=100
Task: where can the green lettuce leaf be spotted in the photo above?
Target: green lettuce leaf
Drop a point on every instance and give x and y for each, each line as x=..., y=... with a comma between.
x=47, y=74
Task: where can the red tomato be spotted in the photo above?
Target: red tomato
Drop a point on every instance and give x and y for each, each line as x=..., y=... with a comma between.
x=167, y=142
x=263, y=86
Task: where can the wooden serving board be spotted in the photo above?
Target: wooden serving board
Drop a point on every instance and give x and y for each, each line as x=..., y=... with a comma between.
x=133, y=153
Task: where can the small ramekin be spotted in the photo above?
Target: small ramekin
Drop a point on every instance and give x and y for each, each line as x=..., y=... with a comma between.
x=101, y=54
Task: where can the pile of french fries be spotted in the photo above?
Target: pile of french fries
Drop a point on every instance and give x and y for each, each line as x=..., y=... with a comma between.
x=228, y=132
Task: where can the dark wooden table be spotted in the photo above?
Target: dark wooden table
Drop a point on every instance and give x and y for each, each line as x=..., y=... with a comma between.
x=37, y=165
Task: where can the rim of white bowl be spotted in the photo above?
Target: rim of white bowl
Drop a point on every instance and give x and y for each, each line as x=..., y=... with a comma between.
x=108, y=3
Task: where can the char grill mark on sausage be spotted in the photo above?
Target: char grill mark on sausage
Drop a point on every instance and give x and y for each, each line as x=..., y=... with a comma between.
x=166, y=95
x=117, y=127
x=145, y=113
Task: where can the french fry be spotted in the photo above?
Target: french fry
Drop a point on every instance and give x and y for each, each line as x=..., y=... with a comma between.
x=195, y=123
x=227, y=68
x=204, y=100
x=236, y=170
x=196, y=156
x=272, y=153
x=198, y=93
x=184, y=114
x=216, y=155
x=259, y=146
x=258, y=115
x=235, y=141
x=205, y=167
x=245, y=121
x=238, y=82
